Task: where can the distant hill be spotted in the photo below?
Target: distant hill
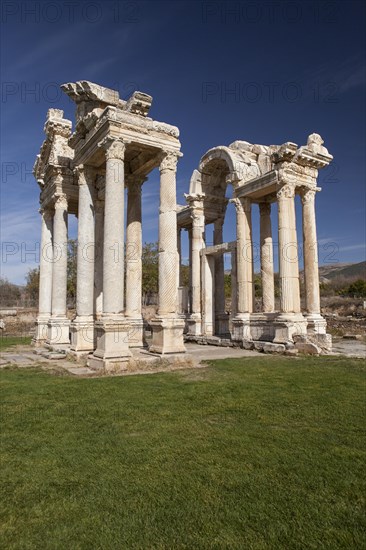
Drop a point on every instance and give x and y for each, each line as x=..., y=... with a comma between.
x=346, y=271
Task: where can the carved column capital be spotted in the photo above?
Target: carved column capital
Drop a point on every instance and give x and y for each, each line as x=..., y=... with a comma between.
x=84, y=174
x=135, y=183
x=114, y=148
x=61, y=201
x=307, y=195
x=242, y=204
x=46, y=213
x=264, y=208
x=286, y=192
x=168, y=161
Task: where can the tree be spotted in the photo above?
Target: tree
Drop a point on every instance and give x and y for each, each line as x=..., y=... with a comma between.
x=71, y=270
x=150, y=271
x=32, y=286
x=357, y=289
x=9, y=293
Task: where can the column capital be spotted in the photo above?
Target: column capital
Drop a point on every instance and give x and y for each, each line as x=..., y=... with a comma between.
x=46, y=213
x=169, y=161
x=242, y=204
x=61, y=201
x=307, y=195
x=114, y=148
x=134, y=183
x=264, y=208
x=286, y=192
x=84, y=174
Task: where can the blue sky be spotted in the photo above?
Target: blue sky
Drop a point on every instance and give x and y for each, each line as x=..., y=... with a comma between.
x=265, y=72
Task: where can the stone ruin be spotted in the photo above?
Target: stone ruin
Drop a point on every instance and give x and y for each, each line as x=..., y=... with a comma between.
x=115, y=145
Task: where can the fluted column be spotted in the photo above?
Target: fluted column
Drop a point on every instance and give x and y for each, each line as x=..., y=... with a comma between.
x=45, y=277
x=244, y=255
x=219, y=276
x=244, y=262
x=82, y=328
x=266, y=252
x=288, y=251
x=134, y=261
x=59, y=324
x=179, y=248
x=98, y=261
x=167, y=327
x=311, y=268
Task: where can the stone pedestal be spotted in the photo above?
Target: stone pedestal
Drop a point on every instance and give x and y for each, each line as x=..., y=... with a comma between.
x=167, y=335
x=286, y=325
x=59, y=332
x=240, y=327
x=112, y=351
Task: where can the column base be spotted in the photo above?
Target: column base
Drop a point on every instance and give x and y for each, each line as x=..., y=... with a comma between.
x=262, y=326
x=222, y=324
x=59, y=332
x=82, y=334
x=240, y=328
x=167, y=335
x=194, y=324
x=136, y=334
x=316, y=323
x=286, y=325
x=41, y=335
x=112, y=340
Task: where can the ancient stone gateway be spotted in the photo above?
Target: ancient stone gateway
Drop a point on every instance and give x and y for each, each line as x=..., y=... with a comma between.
x=115, y=145
x=259, y=175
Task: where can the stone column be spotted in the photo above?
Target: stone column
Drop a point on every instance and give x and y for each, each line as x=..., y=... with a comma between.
x=221, y=326
x=45, y=278
x=190, y=269
x=167, y=327
x=134, y=262
x=82, y=328
x=58, y=326
x=208, y=294
x=98, y=262
x=112, y=329
x=316, y=323
x=266, y=251
x=234, y=287
x=288, y=251
x=196, y=245
x=244, y=260
x=179, y=247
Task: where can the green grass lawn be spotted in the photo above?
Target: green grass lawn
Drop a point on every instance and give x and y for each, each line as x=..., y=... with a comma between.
x=251, y=453
x=7, y=342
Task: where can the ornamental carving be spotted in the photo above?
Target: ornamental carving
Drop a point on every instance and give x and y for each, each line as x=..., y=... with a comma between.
x=85, y=174
x=286, y=192
x=169, y=162
x=61, y=201
x=242, y=204
x=114, y=148
x=308, y=196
